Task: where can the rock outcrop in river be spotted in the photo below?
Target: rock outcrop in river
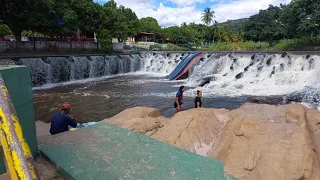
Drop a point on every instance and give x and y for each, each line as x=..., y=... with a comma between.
x=256, y=141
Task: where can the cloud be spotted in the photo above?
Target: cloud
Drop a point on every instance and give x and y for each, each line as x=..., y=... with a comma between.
x=182, y=3
x=168, y=16
x=242, y=8
x=186, y=11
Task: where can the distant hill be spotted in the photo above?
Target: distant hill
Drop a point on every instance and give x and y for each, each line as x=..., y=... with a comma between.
x=235, y=24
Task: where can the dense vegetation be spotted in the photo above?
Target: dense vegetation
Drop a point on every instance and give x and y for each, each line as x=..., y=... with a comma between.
x=294, y=26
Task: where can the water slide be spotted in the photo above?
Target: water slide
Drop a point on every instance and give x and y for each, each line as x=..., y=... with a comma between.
x=184, y=66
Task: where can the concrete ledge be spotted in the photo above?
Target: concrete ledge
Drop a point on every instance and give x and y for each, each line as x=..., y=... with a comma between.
x=104, y=151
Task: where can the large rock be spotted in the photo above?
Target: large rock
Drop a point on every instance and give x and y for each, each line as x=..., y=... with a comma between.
x=256, y=141
x=194, y=130
x=313, y=122
x=142, y=120
x=267, y=142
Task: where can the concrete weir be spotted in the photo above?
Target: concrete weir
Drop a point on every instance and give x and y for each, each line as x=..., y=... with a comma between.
x=104, y=151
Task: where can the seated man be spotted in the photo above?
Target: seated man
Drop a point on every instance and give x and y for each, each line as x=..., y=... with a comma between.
x=61, y=120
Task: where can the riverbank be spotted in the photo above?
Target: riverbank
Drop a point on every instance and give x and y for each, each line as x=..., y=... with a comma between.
x=302, y=44
x=255, y=141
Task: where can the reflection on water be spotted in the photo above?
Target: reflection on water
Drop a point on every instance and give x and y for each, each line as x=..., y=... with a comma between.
x=98, y=100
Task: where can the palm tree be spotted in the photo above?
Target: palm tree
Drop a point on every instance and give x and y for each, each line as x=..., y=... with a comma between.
x=207, y=16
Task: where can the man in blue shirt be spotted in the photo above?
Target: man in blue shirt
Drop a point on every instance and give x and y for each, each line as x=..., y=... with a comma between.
x=61, y=120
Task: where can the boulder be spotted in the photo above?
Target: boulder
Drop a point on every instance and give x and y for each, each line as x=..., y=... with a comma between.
x=313, y=123
x=267, y=142
x=255, y=141
x=280, y=99
x=194, y=130
x=238, y=76
x=141, y=120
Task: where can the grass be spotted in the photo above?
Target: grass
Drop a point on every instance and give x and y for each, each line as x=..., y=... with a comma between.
x=172, y=47
x=301, y=44
x=235, y=46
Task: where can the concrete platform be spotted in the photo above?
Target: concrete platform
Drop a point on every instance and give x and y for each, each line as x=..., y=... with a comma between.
x=5, y=176
x=104, y=151
x=42, y=128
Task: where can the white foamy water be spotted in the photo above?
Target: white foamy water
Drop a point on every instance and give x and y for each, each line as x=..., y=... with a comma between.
x=226, y=74
x=261, y=74
x=60, y=71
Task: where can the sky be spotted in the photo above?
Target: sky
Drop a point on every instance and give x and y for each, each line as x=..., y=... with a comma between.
x=175, y=12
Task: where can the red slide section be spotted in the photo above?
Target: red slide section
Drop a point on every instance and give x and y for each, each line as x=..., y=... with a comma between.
x=194, y=61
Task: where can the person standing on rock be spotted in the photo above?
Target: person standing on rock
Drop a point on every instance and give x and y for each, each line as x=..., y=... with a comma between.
x=179, y=98
x=62, y=120
x=197, y=100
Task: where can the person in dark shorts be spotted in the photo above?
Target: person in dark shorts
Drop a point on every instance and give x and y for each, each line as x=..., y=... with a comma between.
x=197, y=100
x=62, y=120
x=179, y=98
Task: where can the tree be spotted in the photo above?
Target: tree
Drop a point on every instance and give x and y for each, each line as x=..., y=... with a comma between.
x=207, y=16
x=105, y=39
x=16, y=14
x=265, y=26
x=174, y=33
x=301, y=18
x=5, y=30
x=149, y=24
x=121, y=22
x=203, y=33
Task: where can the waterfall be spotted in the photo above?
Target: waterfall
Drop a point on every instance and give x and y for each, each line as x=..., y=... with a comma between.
x=216, y=74
x=53, y=70
x=235, y=74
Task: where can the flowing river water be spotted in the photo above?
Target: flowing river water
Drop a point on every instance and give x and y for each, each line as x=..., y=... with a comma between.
x=96, y=100
x=99, y=87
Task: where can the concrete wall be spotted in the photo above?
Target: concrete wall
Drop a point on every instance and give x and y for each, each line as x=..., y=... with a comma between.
x=117, y=46
x=17, y=80
x=49, y=46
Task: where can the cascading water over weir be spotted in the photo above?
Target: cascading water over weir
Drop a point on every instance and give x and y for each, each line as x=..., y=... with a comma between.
x=216, y=74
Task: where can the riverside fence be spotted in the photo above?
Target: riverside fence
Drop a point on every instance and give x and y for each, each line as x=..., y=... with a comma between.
x=48, y=46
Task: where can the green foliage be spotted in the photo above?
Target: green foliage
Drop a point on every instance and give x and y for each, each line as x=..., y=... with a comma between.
x=202, y=32
x=299, y=19
x=224, y=34
x=265, y=26
x=105, y=39
x=5, y=30
x=44, y=16
x=16, y=14
x=236, y=46
x=302, y=18
x=172, y=47
x=149, y=24
x=301, y=44
x=207, y=16
x=121, y=22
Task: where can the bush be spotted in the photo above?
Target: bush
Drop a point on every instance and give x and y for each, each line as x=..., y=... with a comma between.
x=236, y=46
x=301, y=44
x=105, y=39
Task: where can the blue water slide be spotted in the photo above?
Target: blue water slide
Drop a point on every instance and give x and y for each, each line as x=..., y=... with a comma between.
x=181, y=66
